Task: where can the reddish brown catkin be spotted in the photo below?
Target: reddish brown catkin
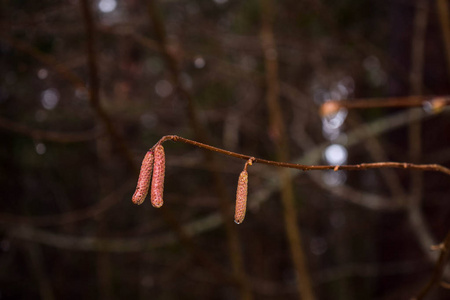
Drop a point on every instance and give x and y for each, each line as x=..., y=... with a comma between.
x=144, y=179
x=241, y=198
x=241, y=194
x=158, y=177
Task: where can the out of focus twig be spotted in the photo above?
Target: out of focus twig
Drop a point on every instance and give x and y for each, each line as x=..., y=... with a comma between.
x=72, y=216
x=442, y=8
x=201, y=133
x=49, y=60
x=52, y=136
x=433, y=103
x=94, y=87
x=38, y=268
x=415, y=215
x=444, y=248
x=279, y=136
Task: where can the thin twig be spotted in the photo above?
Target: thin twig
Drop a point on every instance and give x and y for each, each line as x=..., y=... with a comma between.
x=91, y=243
x=357, y=167
x=213, y=220
x=94, y=88
x=72, y=216
x=415, y=215
x=430, y=103
x=409, y=101
x=119, y=140
x=438, y=270
x=359, y=43
x=442, y=8
x=280, y=138
x=390, y=177
x=52, y=136
x=37, y=264
x=369, y=200
x=200, y=255
x=201, y=134
x=49, y=60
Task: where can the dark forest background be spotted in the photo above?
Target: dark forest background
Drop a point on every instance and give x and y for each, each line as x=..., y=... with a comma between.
x=87, y=87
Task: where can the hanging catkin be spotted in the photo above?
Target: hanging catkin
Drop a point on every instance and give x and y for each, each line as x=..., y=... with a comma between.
x=144, y=179
x=158, y=177
x=241, y=194
x=241, y=197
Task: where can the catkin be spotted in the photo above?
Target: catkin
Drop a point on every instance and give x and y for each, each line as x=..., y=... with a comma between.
x=241, y=198
x=158, y=177
x=144, y=179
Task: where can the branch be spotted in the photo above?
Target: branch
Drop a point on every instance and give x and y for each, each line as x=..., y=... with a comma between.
x=52, y=136
x=279, y=137
x=415, y=215
x=37, y=265
x=345, y=192
x=118, y=139
x=434, y=103
x=444, y=17
x=72, y=216
x=213, y=220
x=94, y=88
x=377, y=152
x=439, y=268
x=49, y=60
x=201, y=133
x=357, y=167
x=74, y=243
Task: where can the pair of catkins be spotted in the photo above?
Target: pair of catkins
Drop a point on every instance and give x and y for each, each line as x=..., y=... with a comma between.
x=155, y=161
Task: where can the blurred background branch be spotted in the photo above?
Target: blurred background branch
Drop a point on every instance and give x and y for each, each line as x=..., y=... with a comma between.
x=201, y=133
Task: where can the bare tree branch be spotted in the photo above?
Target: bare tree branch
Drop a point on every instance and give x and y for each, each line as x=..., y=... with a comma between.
x=439, y=268
x=52, y=136
x=200, y=131
x=357, y=167
x=279, y=137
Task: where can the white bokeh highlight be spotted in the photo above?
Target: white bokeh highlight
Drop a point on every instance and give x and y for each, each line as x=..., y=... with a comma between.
x=107, y=6
x=336, y=154
x=49, y=98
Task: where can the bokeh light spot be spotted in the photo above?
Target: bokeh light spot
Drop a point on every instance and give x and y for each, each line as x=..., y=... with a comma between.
x=163, y=88
x=42, y=73
x=336, y=154
x=40, y=148
x=107, y=6
x=50, y=98
x=199, y=62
